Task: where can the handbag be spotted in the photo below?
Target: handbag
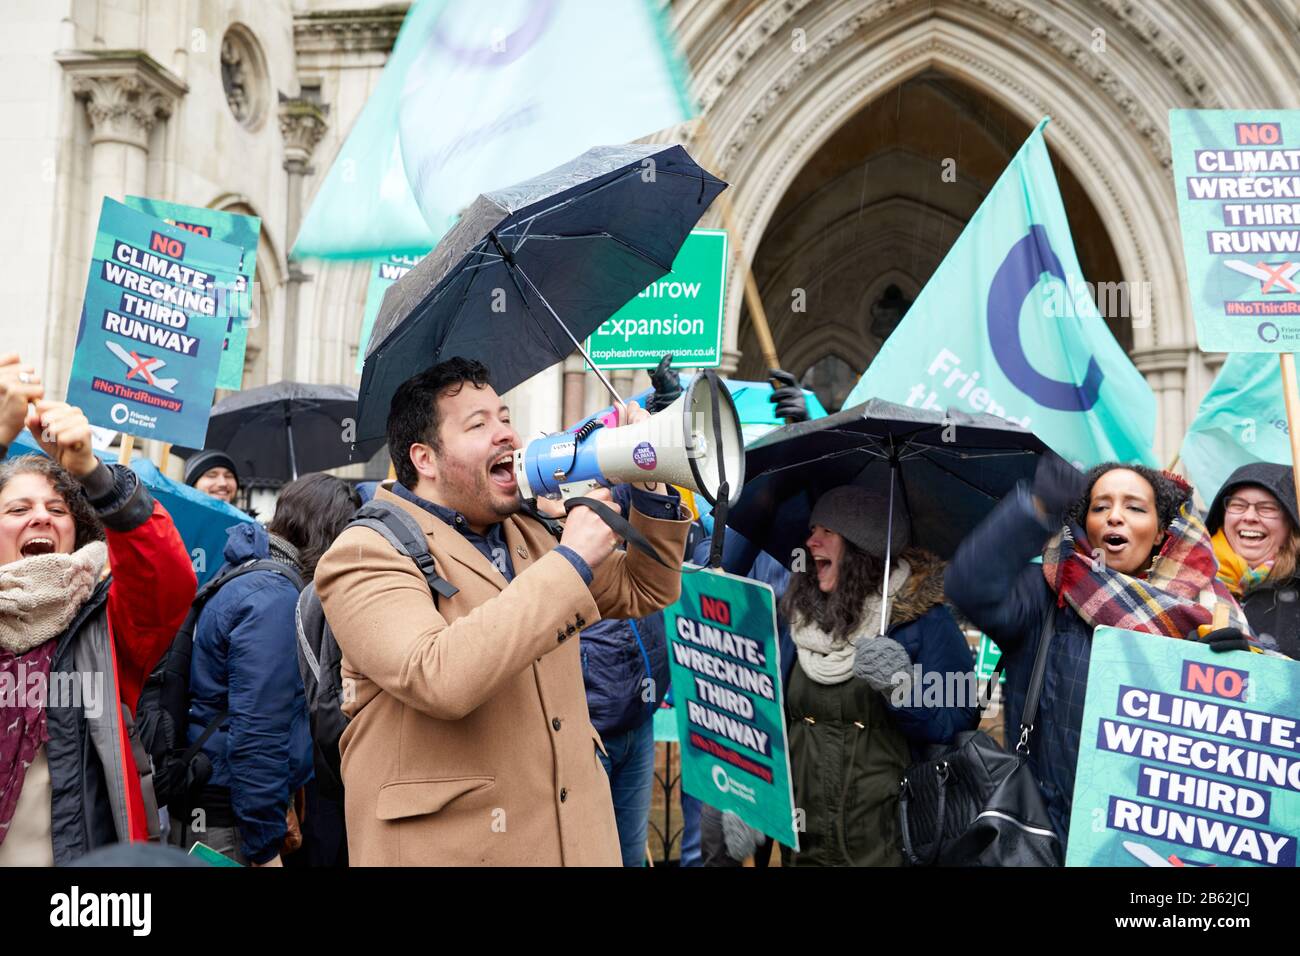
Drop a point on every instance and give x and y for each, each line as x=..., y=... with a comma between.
x=973, y=803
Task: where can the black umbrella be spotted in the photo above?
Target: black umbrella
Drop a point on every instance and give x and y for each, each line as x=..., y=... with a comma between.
x=278, y=431
x=531, y=270
x=945, y=471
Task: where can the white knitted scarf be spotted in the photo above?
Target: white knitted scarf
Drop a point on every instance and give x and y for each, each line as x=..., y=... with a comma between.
x=40, y=596
x=827, y=659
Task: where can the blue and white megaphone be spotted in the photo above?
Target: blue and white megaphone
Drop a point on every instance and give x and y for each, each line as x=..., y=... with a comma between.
x=681, y=445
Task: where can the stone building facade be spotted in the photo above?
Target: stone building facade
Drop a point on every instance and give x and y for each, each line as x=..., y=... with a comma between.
x=833, y=120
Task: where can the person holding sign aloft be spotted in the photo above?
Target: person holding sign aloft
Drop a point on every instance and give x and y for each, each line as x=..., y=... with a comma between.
x=68, y=629
x=1121, y=547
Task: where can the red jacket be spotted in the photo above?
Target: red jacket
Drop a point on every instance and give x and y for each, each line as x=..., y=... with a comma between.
x=150, y=593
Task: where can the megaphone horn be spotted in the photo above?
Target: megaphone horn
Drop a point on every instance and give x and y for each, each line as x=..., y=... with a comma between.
x=681, y=445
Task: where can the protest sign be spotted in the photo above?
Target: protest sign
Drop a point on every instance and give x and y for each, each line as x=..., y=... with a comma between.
x=680, y=313
x=383, y=273
x=238, y=230
x=1187, y=757
x=156, y=297
x=726, y=680
x=1237, y=178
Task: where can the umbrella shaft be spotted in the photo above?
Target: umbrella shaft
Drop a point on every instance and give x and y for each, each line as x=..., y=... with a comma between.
x=576, y=344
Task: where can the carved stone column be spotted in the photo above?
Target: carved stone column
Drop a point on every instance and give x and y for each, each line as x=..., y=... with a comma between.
x=302, y=123
x=575, y=389
x=125, y=94
x=1165, y=369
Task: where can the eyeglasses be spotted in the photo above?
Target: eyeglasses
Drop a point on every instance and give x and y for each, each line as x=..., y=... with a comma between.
x=1265, y=509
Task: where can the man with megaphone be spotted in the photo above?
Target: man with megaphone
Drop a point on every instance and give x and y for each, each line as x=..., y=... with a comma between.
x=469, y=741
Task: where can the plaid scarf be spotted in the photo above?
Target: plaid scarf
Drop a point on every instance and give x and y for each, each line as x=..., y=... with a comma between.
x=1174, y=597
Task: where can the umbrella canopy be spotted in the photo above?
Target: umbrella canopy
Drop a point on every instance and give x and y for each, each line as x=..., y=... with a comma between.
x=201, y=519
x=948, y=471
x=285, y=429
x=531, y=270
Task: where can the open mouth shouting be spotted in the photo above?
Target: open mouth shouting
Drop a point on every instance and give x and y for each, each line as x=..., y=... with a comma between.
x=501, y=472
x=37, y=545
x=1114, y=542
x=825, y=570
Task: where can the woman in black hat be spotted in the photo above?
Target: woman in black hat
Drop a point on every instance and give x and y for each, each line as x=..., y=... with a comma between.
x=854, y=703
x=1256, y=541
x=213, y=473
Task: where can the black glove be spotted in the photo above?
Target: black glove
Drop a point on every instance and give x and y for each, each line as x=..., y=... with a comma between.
x=1226, y=639
x=1057, y=485
x=667, y=383
x=790, y=402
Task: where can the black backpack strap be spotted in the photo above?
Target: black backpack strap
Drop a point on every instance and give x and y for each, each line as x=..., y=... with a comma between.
x=404, y=534
x=193, y=749
x=209, y=590
x=1030, y=713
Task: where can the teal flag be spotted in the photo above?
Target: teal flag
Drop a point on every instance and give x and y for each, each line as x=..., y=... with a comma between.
x=476, y=97
x=1008, y=326
x=1242, y=420
x=726, y=684
x=1187, y=757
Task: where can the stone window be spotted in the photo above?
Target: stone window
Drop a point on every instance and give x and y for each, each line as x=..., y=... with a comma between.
x=244, y=76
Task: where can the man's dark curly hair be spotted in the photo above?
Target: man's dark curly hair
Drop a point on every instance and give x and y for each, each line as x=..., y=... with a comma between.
x=1171, y=493
x=838, y=613
x=68, y=488
x=413, y=414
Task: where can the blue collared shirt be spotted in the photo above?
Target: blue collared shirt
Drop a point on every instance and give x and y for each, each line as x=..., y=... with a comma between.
x=492, y=545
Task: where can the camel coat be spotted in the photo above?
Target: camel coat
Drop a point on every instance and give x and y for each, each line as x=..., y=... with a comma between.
x=469, y=742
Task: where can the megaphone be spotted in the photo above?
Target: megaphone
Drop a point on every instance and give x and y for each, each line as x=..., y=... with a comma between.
x=681, y=445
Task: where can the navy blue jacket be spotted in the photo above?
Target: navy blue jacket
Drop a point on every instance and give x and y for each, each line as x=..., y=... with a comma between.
x=245, y=660
x=625, y=670
x=936, y=643
x=992, y=582
x=618, y=658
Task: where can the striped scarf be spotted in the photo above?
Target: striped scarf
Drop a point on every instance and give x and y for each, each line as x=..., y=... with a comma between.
x=1239, y=576
x=1174, y=597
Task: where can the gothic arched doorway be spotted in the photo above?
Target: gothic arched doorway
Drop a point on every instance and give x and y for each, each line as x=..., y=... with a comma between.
x=871, y=214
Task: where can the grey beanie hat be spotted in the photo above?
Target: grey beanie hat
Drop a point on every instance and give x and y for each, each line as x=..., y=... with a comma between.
x=862, y=517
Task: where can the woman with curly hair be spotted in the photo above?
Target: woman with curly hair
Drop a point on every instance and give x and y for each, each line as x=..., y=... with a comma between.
x=853, y=703
x=1121, y=547
x=75, y=644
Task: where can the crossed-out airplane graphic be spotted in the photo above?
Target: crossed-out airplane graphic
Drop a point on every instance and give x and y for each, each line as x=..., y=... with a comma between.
x=143, y=365
x=1268, y=275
